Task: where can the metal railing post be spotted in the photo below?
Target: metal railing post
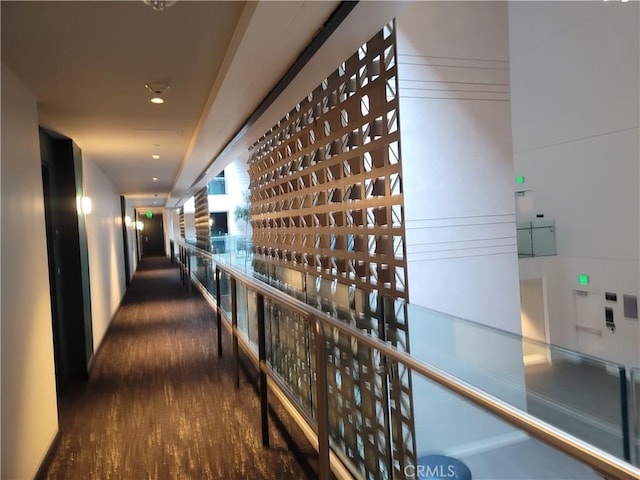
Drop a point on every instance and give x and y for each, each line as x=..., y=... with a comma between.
x=184, y=267
x=262, y=365
x=218, y=311
x=189, y=271
x=234, y=330
x=322, y=408
x=624, y=413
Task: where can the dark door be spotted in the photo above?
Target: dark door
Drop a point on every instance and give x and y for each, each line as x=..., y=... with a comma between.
x=59, y=353
x=68, y=260
x=153, y=237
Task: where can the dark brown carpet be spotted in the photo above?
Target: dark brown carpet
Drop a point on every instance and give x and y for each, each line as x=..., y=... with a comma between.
x=160, y=403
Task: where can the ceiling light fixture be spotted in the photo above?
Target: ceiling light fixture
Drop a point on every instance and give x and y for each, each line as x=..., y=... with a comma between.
x=155, y=179
x=157, y=89
x=155, y=157
x=159, y=5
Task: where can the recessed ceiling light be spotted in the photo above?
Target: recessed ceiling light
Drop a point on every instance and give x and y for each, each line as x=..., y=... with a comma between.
x=160, y=5
x=155, y=157
x=157, y=89
x=155, y=179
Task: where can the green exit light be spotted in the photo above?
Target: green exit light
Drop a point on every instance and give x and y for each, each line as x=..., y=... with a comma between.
x=519, y=179
x=149, y=214
x=583, y=279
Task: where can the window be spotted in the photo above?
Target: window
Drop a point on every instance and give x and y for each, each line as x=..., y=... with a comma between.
x=217, y=185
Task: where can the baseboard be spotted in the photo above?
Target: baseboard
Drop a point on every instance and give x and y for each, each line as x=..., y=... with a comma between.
x=485, y=445
x=47, y=457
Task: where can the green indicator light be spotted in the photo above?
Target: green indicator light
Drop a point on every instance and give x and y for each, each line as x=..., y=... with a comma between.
x=519, y=179
x=149, y=214
x=583, y=279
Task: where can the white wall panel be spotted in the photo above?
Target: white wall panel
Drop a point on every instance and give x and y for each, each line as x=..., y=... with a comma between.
x=453, y=70
x=457, y=160
x=29, y=406
x=575, y=104
x=106, y=252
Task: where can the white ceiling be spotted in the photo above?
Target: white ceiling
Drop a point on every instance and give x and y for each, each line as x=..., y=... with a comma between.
x=87, y=63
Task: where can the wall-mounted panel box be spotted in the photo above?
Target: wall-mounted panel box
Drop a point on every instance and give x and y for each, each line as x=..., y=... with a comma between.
x=630, y=303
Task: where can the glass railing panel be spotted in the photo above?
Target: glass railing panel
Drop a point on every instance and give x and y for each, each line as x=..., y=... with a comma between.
x=225, y=293
x=543, y=237
x=581, y=395
x=289, y=347
x=635, y=414
x=536, y=238
x=455, y=438
x=203, y=269
x=243, y=308
x=525, y=243
x=358, y=404
x=576, y=393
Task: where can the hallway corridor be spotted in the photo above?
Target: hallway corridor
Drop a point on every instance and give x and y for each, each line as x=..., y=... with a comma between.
x=160, y=403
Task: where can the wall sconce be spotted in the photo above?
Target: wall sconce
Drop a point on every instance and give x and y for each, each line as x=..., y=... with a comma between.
x=85, y=206
x=127, y=220
x=140, y=225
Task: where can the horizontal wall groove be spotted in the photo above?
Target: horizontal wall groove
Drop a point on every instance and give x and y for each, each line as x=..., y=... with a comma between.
x=451, y=58
x=579, y=139
x=406, y=80
x=474, y=247
x=453, y=66
x=418, y=224
x=461, y=241
x=423, y=89
x=456, y=98
x=452, y=257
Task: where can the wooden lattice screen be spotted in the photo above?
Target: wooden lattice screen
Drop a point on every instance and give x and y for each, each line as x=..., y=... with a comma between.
x=182, y=225
x=326, y=186
x=326, y=196
x=201, y=218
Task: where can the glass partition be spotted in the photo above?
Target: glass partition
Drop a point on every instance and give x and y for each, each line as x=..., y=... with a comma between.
x=387, y=420
x=574, y=392
x=452, y=435
x=536, y=238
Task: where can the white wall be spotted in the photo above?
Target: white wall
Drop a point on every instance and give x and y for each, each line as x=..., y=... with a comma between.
x=575, y=107
x=29, y=407
x=237, y=183
x=455, y=128
x=106, y=252
x=457, y=160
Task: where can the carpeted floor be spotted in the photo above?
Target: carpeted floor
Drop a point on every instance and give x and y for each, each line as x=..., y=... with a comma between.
x=160, y=403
